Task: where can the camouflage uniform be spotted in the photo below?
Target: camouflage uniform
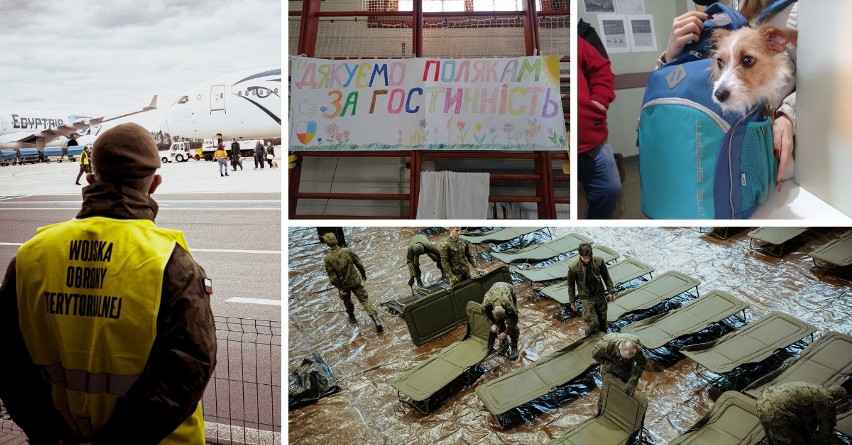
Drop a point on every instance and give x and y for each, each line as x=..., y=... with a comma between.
x=607, y=354
x=414, y=258
x=797, y=412
x=455, y=255
x=594, y=298
x=345, y=272
x=501, y=294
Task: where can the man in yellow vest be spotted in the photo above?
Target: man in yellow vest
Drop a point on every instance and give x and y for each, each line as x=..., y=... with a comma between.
x=106, y=332
x=84, y=164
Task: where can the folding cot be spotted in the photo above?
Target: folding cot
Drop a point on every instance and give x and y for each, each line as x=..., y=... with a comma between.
x=619, y=421
x=754, y=343
x=648, y=295
x=732, y=421
x=844, y=423
x=421, y=386
x=540, y=252
x=527, y=384
x=692, y=317
x=498, y=235
x=559, y=269
x=774, y=236
x=834, y=254
x=398, y=306
x=622, y=272
x=441, y=312
x=724, y=233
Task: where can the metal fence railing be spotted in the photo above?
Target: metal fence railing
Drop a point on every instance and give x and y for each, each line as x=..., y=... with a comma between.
x=242, y=401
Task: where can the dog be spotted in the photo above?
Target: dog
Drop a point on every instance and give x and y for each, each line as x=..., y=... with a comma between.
x=274, y=164
x=750, y=66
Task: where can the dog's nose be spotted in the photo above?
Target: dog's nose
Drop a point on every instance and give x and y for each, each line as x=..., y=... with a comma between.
x=722, y=95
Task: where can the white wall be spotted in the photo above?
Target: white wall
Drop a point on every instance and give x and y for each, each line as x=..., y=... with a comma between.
x=824, y=102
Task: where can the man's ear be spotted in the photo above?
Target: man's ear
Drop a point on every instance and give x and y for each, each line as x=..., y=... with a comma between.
x=154, y=184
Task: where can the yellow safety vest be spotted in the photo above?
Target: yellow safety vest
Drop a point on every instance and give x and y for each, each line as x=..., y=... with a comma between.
x=88, y=298
x=84, y=158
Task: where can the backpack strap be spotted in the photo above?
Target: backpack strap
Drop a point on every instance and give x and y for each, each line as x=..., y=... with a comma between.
x=724, y=18
x=771, y=9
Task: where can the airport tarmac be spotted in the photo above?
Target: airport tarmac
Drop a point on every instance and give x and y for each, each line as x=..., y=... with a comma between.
x=233, y=227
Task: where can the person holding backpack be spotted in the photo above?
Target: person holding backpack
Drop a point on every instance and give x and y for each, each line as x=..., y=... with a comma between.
x=596, y=164
x=688, y=27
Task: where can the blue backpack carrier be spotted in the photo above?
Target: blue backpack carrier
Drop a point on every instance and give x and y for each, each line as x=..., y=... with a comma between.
x=694, y=161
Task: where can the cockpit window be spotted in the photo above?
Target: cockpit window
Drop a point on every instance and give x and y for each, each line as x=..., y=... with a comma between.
x=183, y=100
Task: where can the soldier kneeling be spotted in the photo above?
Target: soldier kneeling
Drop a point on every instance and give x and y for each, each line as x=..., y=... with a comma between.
x=499, y=307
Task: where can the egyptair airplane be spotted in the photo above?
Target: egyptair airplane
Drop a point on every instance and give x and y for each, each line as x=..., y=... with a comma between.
x=246, y=104
x=24, y=130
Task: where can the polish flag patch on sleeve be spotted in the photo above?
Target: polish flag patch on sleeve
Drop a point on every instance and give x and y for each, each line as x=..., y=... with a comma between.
x=208, y=285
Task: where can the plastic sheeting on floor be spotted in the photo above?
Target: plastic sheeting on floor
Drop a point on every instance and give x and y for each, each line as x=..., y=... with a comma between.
x=367, y=410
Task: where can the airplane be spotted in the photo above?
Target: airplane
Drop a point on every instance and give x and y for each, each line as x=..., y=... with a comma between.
x=245, y=104
x=27, y=130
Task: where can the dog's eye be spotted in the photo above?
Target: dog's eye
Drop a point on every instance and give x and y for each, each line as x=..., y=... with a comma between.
x=720, y=63
x=748, y=61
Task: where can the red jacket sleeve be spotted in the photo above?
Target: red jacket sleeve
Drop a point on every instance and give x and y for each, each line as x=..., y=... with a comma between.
x=597, y=72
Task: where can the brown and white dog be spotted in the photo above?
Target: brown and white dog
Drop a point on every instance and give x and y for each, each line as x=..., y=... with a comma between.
x=750, y=66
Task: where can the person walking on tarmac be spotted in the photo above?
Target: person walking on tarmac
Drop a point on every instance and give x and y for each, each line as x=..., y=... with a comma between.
x=106, y=330
x=270, y=153
x=84, y=164
x=235, y=155
x=259, y=155
x=345, y=271
x=221, y=156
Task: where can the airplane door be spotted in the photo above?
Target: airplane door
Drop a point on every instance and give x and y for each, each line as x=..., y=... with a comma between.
x=217, y=98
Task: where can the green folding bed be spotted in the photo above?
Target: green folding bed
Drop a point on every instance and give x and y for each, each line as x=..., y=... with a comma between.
x=754, y=343
x=559, y=269
x=397, y=306
x=712, y=307
x=439, y=313
x=732, y=421
x=541, y=252
x=498, y=235
x=648, y=295
x=773, y=238
x=420, y=386
x=527, y=384
x=844, y=423
x=834, y=254
x=622, y=272
x=619, y=421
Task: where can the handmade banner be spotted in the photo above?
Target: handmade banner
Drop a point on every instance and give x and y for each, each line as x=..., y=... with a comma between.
x=426, y=104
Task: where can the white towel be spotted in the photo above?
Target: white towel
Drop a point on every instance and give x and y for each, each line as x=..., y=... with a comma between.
x=451, y=195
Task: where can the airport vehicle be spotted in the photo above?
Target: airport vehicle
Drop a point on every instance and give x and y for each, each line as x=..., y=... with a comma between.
x=20, y=129
x=178, y=152
x=246, y=104
x=246, y=147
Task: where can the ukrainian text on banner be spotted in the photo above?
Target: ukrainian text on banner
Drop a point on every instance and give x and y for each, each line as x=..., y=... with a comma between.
x=426, y=104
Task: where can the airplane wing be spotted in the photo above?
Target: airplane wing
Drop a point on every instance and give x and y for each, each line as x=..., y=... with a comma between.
x=68, y=129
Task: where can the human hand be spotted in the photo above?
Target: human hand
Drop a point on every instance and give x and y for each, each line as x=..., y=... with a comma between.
x=494, y=329
x=574, y=307
x=480, y=271
x=341, y=292
x=782, y=136
x=685, y=28
x=600, y=105
x=612, y=296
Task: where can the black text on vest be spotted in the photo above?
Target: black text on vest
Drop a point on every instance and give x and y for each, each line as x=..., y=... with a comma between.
x=90, y=250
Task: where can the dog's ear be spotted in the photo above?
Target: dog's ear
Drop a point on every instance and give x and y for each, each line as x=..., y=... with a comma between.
x=718, y=36
x=776, y=39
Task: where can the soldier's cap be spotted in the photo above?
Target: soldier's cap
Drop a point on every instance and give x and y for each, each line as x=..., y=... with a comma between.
x=125, y=151
x=418, y=248
x=329, y=238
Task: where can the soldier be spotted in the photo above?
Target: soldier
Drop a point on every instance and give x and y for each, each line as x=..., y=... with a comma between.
x=456, y=258
x=799, y=412
x=589, y=273
x=499, y=307
x=345, y=272
x=419, y=245
x=622, y=356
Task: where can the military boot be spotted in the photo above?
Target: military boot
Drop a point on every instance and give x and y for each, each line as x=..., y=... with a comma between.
x=378, y=323
x=352, y=318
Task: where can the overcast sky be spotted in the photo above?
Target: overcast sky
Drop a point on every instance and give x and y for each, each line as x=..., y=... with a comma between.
x=97, y=57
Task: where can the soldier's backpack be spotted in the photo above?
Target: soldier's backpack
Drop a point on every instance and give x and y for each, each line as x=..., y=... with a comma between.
x=694, y=161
